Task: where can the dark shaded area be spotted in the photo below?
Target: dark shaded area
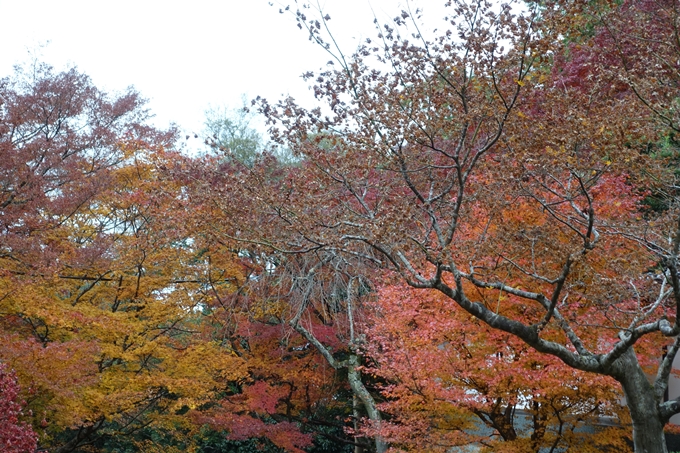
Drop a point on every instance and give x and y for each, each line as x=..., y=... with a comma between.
x=673, y=442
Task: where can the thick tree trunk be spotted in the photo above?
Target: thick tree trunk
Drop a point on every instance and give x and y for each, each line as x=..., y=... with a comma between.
x=648, y=434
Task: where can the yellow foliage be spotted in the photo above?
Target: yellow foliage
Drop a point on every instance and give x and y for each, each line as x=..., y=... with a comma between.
x=111, y=330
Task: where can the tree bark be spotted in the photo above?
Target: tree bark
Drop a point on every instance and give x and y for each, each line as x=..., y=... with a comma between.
x=353, y=376
x=648, y=433
x=359, y=389
x=355, y=413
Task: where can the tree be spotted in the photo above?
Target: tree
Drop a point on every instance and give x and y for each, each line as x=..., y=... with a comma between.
x=230, y=132
x=297, y=375
x=233, y=134
x=473, y=166
x=451, y=381
x=16, y=436
x=100, y=285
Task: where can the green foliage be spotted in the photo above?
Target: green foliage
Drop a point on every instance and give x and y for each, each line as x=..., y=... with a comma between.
x=231, y=132
x=216, y=442
x=326, y=441
x=666, y=150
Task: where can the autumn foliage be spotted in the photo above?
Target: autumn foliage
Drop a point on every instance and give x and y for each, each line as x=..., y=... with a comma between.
x=475, y=245
x=450, y=381
x=16, y=436
x=509, y=165
x=98, y=305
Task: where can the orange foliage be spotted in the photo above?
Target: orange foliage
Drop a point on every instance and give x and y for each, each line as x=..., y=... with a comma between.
x=101, y=277
x=452, y=382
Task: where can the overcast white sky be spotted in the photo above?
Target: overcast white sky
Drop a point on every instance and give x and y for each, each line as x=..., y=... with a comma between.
x=184, y=55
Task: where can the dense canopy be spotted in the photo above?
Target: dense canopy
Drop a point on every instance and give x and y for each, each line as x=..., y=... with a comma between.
x=473, y=242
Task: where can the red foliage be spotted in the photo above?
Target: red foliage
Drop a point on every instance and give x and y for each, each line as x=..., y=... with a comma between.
x=16, y=436
x=59, y=138
x=287, y=382
x=447, y=376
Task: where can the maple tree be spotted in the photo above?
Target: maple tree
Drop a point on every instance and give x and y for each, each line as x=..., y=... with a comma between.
x=16, y=436
x=511, y=170
x=100, y=286
x=451, y=381
x=316, y=295
x=292, y=385
x=499, y=161
x=288, y=386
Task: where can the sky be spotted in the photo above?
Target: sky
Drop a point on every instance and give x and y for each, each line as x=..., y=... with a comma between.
x=184, y=56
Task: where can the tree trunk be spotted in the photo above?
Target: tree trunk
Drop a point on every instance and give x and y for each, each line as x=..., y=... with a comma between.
x=354, y=377
x=648, y=433
x=355, y=413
